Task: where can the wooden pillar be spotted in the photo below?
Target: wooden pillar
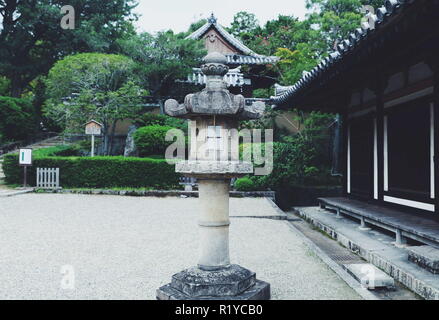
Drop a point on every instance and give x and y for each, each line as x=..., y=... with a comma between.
x=433, y=62
x=344, y=158
x=342, y=108
x=380, y=133
x=436, y=135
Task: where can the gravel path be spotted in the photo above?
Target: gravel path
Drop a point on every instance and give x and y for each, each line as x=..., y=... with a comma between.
x=125, y=248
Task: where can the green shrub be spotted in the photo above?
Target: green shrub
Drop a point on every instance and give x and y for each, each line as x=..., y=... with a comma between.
x=96, y=172
x=63, y=150
x=152, y=119
x=67, y=151
x=296, y=163
x=244, y=184
x=17, y=118
x=151, y=140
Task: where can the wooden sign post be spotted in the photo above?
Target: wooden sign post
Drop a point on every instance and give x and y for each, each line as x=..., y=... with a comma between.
x=25, y=160
x=93, y=128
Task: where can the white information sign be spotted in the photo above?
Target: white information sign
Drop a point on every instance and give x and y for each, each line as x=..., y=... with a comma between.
x=93, y=128
x=25, y=158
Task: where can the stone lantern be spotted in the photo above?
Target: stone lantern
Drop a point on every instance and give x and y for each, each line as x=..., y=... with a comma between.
x=214, y=159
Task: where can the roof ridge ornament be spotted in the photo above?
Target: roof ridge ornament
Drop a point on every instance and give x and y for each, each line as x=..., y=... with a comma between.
x=212, y=19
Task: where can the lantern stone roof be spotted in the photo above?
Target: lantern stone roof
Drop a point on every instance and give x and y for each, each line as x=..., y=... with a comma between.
x=365, y=39
x=241, y=53
x=215, y=99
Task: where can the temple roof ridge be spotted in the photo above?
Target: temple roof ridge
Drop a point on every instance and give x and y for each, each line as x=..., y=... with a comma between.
x=212, y=21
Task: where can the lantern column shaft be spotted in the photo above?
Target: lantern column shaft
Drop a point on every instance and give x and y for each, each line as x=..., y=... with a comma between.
x=214, y=224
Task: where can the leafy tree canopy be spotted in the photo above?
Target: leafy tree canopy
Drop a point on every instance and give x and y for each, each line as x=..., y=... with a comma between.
x=243, y=22
x=31, y=37
x=196, y=25
x=337, y=18
x=162, y=59
x=96, y=86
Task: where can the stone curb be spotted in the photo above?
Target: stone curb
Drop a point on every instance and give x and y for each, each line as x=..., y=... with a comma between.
x=157, y=193
x=16, y=193
x=351, y=282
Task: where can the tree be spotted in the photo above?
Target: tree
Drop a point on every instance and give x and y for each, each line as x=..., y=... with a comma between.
x=162, y=59
x=300, y=45
x=336, y=19
x=196, y=25
x=243, y=22
x=31, y=38
x=292, y=64
x=17, y=119
x=95, y=86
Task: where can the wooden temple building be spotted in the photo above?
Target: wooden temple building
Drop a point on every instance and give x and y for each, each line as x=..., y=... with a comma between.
x=217, y=39
x=384, y=83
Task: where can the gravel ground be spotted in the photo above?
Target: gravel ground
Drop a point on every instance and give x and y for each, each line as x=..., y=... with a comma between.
x=125, y=248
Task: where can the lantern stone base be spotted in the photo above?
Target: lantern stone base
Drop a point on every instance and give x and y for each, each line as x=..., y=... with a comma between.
x=230, y=283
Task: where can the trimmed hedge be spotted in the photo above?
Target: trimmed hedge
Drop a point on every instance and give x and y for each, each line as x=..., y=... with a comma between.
x=150, y=140
x=96, y=172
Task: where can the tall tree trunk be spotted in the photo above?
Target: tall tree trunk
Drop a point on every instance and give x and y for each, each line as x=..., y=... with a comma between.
x=105, y=142
x=113, y=132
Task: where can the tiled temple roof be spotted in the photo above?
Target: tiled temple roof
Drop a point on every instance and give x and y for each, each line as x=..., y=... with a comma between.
x=248, y=56
x=241, y=59
x=387, y=12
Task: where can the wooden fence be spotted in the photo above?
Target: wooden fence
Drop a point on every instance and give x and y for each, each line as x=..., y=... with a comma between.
x=48, y=178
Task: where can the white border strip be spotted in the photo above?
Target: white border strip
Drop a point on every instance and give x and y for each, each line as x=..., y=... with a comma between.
x=386, y=158
x=348, y=187
x=410, y=203
x=432, y=190
x=375, y=160
x=409, y=97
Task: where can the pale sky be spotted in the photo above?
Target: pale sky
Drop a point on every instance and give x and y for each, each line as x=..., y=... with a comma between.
x=157, y=15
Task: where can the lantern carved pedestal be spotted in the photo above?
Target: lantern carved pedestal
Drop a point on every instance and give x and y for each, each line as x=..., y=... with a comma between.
x=214, y=160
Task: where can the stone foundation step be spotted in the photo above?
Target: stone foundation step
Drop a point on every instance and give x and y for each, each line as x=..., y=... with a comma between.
x=426, y=257
x=370, y=276
x=376, y=248
x=14, y=192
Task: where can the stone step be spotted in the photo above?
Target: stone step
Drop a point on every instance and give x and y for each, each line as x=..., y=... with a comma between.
x=369, y=276
x=426, y=257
